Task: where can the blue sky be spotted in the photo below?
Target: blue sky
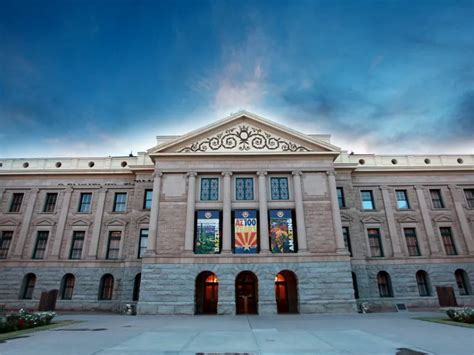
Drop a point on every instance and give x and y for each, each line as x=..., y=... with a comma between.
x=98, y=78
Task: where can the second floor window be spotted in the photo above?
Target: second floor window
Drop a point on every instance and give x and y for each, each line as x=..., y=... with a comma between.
x=16, y=202
x=143, y=243
x=40, y=247
x=375, y=242
x=209, y=189
x=412, y=243
x=402, y=200
x=244, y=189
x=469, y=197
x=85, y=202
x=50, y=202
x=279, y=188
x=436, y=198
x=5, y=241
x=448, y=241
x=114, y=245
x=367, y=200
x=77, y=245
x=340, y=197
x=120, y=202
x=347, y=239
x=147, y=199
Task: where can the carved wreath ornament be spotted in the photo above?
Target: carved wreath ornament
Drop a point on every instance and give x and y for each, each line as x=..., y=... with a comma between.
x=243, y=138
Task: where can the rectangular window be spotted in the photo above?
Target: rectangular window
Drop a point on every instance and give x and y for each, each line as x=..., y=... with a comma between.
x=16, y=202
x=469, y=197
x=340, y=197
x=120, y=202
x=209, y=189
x=436, y=198
x=347, y=239
x=143, y=243
x=279, y=188
x=147, y=199
x=50, y=202
x=367, y=200
x=244, y=189
x=402, y=200
x=114, y=245
x=448, y=240
x=375, y=242
x=412, y=242
x=85, y=202
x=77, y=245
x=40, y=246
x=5, y=241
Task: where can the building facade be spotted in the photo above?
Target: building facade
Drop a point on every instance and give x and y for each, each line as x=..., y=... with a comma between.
x=242, y=216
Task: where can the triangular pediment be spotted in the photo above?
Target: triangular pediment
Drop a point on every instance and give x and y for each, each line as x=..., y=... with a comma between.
x=80, y=223
x=443, y=218
x=346, y=218
x=9, y=222
x=244, y=132
x=368, y=220
x=46, y=222
x=143, y=220
x=117, y=222
x=407, y=219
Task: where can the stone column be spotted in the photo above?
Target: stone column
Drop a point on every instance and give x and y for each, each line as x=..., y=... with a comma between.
x=99, y=213
x=25, y=224
x=392, y=229
x=227, y=226
x=336, y=213
x=1, y=197
x=155, y=207
x=189, y=235
x=458, y=200
x=58, y=238
x=263, y=212
x=427, y=221
x=300, y=224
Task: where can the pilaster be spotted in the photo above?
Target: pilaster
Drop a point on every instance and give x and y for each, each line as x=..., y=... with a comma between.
x=427, y=221
x=458, y=206
x=58, y=238
x=94, y=244
x=300, y=223
x=336, y=213
x=392, y=228
x=191, y=207
x=263, y=212
x=25, y=226
x=227, y=209
x=154, y=214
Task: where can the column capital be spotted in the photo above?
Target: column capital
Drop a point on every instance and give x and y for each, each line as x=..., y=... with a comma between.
x=331, y=173
x=384, y=188
x=35, y=190
x=191, y=174
x=453, y=187
x=262, y=173
x=296, y=173
x=226, y=173
x=103, y=189
x=69, y=190
x=419, y=187
x=157, y=174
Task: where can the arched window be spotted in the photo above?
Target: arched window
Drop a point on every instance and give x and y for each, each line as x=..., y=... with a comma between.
x=423, y=282
x=462, y=280
x=385, y=284
x=67, y=286
x=106, y=287
x=136, y=287
x=354, y=284
x=28, y=286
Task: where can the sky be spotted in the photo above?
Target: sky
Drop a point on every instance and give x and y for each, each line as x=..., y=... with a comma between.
x=99, y=78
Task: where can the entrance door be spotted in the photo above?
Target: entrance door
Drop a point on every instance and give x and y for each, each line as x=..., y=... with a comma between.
x=207, y=287
x=285, y=292
x=446, y=296
x=246, y=300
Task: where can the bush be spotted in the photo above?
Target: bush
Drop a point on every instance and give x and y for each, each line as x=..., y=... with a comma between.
x=464, y=315
x=24, y=319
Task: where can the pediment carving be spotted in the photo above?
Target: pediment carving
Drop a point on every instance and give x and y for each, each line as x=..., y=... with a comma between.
x=371, y=219
x=116, y=222
x=442, y=218
x=80, y=223
x=9, y=222
x=407, y=219
x=45, y=222
x=244, y=138
x=345, y=218
x=143, y=220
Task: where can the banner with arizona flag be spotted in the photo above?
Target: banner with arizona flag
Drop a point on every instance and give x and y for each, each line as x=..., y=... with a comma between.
x=245, y=232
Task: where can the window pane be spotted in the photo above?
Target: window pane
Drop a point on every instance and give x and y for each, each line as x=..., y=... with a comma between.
x=50, y=202
x=5, y=241
x=244, y=189
x=85, y=202
x=367, y=200
x=411, y=240
x=107, y=287
x=120, y=202
x=375, y=242
x=209, y=189
x=436, y=198
x=402, y=200
x=448, y=241
x=347, y=241
x=469, y=197
x=143, y=243
x=147, y=202
x=77, y=245
x=114, y=245
x=279, y=188
x=40, y=247
x=340, y=197
x=422, y=282
x=16, y=202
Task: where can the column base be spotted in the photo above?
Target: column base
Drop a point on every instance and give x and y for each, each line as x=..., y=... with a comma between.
x=149, y=254
x=343, y=251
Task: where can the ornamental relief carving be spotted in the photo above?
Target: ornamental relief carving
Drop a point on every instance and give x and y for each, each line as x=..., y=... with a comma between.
x=243, y=138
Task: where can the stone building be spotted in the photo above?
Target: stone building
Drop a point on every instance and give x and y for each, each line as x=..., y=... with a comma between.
x=241, y=216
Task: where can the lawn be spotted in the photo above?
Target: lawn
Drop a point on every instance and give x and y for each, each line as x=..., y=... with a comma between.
x=25, y=332
x=447, y=321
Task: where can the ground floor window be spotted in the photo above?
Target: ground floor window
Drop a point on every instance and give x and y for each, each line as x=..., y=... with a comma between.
x=67, y=286
x=422, y=280
x=28, y=286
x=384, y=284
x=106, y=287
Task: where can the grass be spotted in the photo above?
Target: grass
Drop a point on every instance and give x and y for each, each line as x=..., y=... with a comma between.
x=447, y=321
x=24, y=332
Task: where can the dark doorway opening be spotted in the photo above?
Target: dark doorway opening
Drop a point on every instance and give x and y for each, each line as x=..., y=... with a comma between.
x=207, y=288
x=286, y=292
x=446, y=296
x=246, y=296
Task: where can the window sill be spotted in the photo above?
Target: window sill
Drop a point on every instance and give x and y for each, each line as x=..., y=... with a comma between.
x=118, y=212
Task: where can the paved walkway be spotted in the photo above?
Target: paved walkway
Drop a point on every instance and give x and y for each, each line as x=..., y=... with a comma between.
x=383, y=333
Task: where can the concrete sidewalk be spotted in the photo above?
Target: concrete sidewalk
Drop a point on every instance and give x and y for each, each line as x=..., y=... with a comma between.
x=383, y=333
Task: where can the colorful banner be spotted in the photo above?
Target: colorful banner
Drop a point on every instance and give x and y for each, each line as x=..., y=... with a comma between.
x=245, y=232
x=207, y=232
x=281, y=232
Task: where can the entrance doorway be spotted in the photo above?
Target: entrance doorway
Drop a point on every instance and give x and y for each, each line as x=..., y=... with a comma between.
x=446, y=296
x=285, y=292
x=246, y=296
x=207, y=286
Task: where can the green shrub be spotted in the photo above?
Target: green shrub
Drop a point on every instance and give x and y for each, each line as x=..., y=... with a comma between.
x=464, y=315
x=24, y=319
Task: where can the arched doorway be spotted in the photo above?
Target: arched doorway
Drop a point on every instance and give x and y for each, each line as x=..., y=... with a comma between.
x=286, y=292
x=207, y=286
x=246, y=295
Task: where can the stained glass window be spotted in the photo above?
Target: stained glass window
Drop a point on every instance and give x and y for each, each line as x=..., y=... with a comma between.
x=209, y=189
x=279, y=188
x=244, y=189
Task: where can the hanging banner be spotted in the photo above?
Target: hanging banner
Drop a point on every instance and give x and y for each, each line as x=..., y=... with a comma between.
x=207, y=232
x=245, y=232
x=281, y=232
